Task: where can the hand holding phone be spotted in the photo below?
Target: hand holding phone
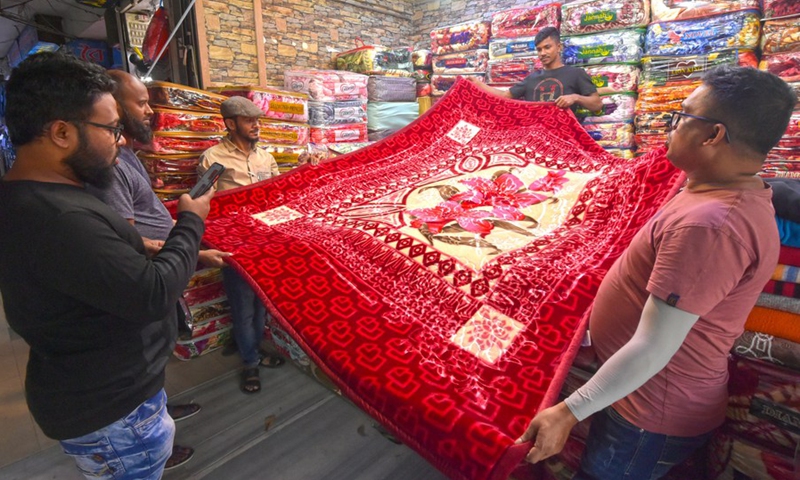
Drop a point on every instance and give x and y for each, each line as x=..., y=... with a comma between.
x=207, y=180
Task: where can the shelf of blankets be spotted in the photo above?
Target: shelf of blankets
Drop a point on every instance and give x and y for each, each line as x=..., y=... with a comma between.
x=346, y=133
x=702, y=35
x=386, y=118
x=286, y=156
x=283, y=133
x=172, y=120
x=276, y=104
x=440, y=84
x=462, y=37
x=525, y=21
x=468, y=62
x=391, y=89
x=594, y=16
x=512, y=71
x=211, y=322
x=327, y=85
x=621, y=46
x=780, y=44
x=376, y=60
x=323, y=114
x=181, y=97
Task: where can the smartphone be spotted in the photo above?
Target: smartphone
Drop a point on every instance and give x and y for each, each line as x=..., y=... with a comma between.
x=208, y=179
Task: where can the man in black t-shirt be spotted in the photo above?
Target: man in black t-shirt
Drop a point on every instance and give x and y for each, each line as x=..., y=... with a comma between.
x=566, y=86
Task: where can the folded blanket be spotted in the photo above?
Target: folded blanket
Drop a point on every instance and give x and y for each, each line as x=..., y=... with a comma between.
x=779, y=302
x=780, y=8
x=768, y=348
x=704, y=35
x=785, y=199
x=592, y=16
x=664, y=10
x=525, y=21
x=784, y=289
x=789, y=256
x=789, y=232
x=774, y=322
x=786, y=273
x=781, y=35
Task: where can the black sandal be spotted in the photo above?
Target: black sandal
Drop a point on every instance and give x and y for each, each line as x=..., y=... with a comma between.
x=180, y=455
x=251, y=383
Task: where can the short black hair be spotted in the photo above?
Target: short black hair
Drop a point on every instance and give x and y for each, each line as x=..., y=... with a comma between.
x=755, y=105
x=545, y=33
x=51, y=86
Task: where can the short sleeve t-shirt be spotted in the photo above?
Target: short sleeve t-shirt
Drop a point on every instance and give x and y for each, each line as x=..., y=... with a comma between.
x=548, y=85
x=707, y=253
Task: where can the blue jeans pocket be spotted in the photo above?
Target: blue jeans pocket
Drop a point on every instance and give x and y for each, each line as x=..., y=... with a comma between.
x=95, y=460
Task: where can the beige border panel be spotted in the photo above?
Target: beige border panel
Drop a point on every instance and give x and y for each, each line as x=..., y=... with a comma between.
x=260, y=52
x=202, y=43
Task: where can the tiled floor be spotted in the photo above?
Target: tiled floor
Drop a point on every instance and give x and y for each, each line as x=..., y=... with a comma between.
x=21, y=437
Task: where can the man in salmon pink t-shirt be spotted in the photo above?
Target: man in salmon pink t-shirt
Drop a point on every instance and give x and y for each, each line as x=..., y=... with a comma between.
x=670, y=308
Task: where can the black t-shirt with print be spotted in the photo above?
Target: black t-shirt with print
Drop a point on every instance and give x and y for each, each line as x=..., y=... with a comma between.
x=548, y=85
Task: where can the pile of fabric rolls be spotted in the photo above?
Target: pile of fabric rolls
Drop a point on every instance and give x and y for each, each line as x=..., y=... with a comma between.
x=459, y=50
x=761, y=435
x=780, y=45
x=605, y=38
x=512, y=50
x=283, y=129
x=186, y=122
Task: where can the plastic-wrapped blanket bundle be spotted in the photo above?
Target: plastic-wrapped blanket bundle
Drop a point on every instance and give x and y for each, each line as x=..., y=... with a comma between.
x=286, y=156
x=781, y=36
x=525, y=21
x=666, y=10
x=327, y=85
x=183, y=163
x=613, y=135
x=392, y=89
x=171, y=95
x=780, y=8
x=624, y=46
x=170, y=120
x=288, y=133
x=614, y=78
x=736, y=457
x=178, y=142
x=376, y=59
x=354, y=132
x=664, y=99
x=509, y=48
x=442, y=83
x=473, y=61
x=618, y=107
x=648, y=142
x=422, y=59
x=391, y=115
x=276, y=104
x=509, y=72
x=626, y=153
x=784, y=65
x=648, y=123
x=592, y=16
x=738, y=30
x=459, y=38
x=667, y=70
x=337, y=113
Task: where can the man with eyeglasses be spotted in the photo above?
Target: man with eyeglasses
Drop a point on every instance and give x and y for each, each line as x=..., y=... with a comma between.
x=77, y=284
x=670, y=308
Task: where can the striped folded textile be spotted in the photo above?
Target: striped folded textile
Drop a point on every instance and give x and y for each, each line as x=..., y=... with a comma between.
x=786, y=273
x=779, y=302
x=789, y=256
x=774, y=322
x=784, y=289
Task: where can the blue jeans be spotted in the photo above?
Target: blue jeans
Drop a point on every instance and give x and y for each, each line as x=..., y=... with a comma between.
x=247, y=314
x=617, y=450
x=135, y=447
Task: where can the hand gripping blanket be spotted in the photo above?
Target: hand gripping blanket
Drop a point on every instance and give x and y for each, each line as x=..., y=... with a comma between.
x=441, y=276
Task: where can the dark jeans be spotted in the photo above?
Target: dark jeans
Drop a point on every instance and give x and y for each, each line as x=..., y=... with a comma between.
x=617, y=450
x=247, y=314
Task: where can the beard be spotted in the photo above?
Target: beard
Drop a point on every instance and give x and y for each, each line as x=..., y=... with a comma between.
x=90, y=165
x=136, y=129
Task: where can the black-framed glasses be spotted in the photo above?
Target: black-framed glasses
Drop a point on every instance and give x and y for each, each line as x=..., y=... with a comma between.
x=675, y=119
x=117, y=130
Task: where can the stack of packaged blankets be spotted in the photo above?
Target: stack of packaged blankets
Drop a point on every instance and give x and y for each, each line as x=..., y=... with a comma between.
x=283, y=129
x=210, y=315
x=512, y=50
x=761, y=436
x=605, y=37
x=423, y=69
x=186, y=122
x=337, y=106
x=780, y=45
x=459, y=50
x=683, y=42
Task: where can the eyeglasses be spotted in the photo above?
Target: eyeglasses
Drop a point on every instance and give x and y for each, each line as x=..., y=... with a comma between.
x=675, y=119
x=117, y=130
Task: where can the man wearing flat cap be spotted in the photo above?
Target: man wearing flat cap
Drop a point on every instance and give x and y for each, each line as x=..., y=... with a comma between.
x=245, y=164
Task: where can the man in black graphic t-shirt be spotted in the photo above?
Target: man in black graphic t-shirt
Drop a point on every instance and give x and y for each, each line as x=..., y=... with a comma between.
x=566, y=86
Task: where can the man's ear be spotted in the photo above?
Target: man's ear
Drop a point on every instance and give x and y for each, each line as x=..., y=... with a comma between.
x=62, y=134
x=231, y=125
x=717, y=136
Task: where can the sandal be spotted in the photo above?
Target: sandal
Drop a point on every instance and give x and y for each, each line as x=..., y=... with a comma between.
x=182, y=412
x=180, y=455
x=251, y=383
x=271, y=361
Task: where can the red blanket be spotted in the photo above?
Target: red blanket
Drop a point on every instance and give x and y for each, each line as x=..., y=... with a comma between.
x=441, y=276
